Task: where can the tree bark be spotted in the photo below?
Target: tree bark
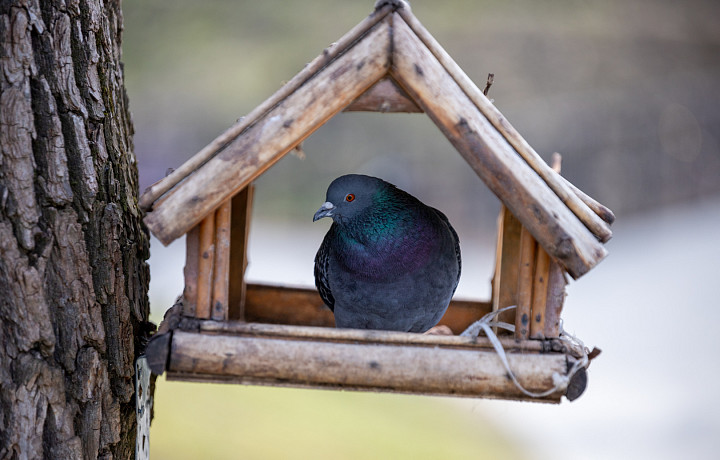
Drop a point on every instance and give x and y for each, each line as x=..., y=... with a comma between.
x=73, y=276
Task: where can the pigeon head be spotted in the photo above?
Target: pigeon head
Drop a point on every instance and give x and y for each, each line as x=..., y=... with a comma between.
x=350, y=196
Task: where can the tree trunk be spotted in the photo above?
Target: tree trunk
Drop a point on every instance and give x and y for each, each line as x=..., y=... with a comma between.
x=73, y=277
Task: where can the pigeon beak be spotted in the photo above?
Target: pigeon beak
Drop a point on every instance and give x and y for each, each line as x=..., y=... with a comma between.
x=325, y=211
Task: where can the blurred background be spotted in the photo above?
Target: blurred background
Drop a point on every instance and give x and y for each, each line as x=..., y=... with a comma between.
x=627, y=92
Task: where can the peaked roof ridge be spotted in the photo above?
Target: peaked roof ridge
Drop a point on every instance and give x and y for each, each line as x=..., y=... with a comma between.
x=385, y=96
x=395, y=49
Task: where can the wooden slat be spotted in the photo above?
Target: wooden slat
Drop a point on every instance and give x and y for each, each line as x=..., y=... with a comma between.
x=370, y=337
x=279, y=131
x=159, y=188
x=304, y=307
x=241, y=214
x=507, y=277
x=427, y=370
x=489, y=154
x=221, y=270
x=598, y=208
x=173, y=320
x=495, y=296
x=205, y=266
x=191, y=270
x=286, y=305
x=555, y=300
x=528, y=249
x=591, y=220
x=539, y=302
x=462, y=313
x=384, y=96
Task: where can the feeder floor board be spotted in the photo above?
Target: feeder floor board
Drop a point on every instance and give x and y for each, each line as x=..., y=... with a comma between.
x=348, y=359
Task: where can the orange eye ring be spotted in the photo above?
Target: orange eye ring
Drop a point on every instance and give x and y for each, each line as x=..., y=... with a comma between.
x=349, y=197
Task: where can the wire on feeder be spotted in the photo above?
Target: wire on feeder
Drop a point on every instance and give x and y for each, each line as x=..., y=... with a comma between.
x=560, y=382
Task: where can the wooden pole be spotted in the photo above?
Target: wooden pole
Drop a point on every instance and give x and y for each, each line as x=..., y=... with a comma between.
x=161, y=187
x=507, y=261
x=498, y=261
x=241, y=215
x=555, y=300
x=191, y=271
x=591, y=220
x=205, y=266
x=370, y=337
x=304, y=307
x=278, y=132
x=598, y=208
x=382, y=367
x=489, y=154
x=528, y=249
x=539, y=298
x=221, y=270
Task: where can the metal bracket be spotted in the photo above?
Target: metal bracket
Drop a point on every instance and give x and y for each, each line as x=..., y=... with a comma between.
x=143, y=405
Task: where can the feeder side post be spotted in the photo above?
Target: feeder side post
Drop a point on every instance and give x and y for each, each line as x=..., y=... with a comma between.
x=539, y=302
x=240, y=230
x=507, y=262
x=221, y=275
x=555, y=300
x=191, y=271
x=528, y=249
x=205, y=264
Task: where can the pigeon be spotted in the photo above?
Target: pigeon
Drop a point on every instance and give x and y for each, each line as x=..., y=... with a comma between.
x=388, y=261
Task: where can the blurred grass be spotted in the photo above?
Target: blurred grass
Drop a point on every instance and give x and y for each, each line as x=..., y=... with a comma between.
x=194, y=421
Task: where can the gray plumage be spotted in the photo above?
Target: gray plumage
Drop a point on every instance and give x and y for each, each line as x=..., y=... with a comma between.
x=388, y=261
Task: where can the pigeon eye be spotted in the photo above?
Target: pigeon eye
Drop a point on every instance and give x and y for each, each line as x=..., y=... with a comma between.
x=349, y=197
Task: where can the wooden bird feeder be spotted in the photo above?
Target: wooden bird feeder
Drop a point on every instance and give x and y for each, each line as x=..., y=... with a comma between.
x=224, y=330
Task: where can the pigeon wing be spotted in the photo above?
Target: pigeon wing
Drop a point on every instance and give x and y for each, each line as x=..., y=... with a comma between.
x=455, y=239
x=322, y=267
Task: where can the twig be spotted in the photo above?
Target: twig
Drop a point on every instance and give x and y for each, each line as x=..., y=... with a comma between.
x=490, y=80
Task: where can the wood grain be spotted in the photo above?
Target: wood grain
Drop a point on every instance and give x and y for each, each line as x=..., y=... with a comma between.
x=598, y=208
x=528, y=250
x=286, y=305
x=540, y=290
x=507, y=271
x=555, y=300
x=221, y=268
x=205, y=267
x=371, y=337
x=381, y=367
x=304, y=307
x=497, y=163
x=241, y=215
x=191, y=272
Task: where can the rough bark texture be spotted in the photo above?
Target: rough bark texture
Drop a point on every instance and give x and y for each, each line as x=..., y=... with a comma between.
x=73, y=277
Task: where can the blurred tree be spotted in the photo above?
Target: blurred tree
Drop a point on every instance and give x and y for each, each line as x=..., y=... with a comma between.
x=73, y=276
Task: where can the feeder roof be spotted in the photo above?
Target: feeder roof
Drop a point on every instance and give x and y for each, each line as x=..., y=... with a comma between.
x=388, y=62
